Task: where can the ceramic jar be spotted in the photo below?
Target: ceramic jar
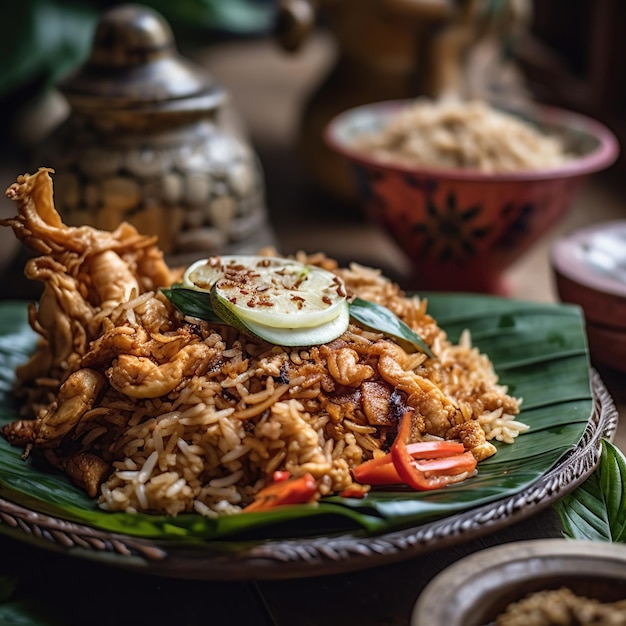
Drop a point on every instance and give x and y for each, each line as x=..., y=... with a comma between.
x=148, y=140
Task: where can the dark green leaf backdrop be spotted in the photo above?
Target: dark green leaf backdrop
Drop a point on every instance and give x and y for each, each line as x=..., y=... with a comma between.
x=596, y=511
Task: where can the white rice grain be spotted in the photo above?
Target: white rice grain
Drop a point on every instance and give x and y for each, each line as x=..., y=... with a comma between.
x=148, y=467
x=226, y=481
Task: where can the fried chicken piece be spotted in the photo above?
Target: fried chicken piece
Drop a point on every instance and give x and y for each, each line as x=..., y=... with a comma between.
x=85, y=469
x=62, y=317
x=41, y=228
x=436, y=409
x=77, y=396
x=88, y=276
x=84, y=271
x=142, y=377
x=472, y=436
x=344, y=367
x=124, y=339
x=376, y=397
x=20, y=433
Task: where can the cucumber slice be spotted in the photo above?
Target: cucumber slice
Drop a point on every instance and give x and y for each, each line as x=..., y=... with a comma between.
x=270, y=291
x=295, y=337
x=202, y=274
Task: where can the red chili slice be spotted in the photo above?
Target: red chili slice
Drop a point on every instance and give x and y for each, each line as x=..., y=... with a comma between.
x=298, y=490
x=440, y=457
x=409, y=468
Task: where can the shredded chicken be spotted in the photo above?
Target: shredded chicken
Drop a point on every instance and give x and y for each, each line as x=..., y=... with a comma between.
x=86, y=273
x=76, y=397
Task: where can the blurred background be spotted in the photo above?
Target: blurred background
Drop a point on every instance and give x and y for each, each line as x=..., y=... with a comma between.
x=288, y=66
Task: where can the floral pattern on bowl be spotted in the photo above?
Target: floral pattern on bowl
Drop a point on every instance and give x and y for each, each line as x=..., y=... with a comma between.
x=459, y=228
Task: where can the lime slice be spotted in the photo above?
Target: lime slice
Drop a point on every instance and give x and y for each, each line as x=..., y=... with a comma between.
x=270, y=291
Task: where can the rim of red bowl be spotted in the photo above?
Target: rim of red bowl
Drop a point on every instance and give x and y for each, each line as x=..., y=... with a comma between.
x=604, y=155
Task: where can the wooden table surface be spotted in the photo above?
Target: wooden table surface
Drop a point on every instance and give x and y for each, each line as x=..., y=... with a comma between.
x=267, y=88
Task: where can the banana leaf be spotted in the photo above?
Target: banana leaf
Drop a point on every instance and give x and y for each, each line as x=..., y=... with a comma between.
x=539, y=350
x=596, y=510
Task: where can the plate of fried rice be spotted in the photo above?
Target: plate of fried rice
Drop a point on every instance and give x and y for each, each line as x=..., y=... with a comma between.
x=140, y=432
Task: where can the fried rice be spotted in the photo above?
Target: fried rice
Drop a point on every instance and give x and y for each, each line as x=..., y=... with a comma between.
x=149, y=410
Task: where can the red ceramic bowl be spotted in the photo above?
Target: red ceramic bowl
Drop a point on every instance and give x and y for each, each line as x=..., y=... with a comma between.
x=462, y=228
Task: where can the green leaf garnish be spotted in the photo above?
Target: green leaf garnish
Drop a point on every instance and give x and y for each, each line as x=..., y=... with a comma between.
x=374, y=316
x=596, y=510
x=193, y=303
x=380, y=318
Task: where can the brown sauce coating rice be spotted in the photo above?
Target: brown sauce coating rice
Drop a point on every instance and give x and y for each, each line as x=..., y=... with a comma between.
x=149, y=411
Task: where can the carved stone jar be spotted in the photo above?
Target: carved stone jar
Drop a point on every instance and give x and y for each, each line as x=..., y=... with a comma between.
x=148, y=141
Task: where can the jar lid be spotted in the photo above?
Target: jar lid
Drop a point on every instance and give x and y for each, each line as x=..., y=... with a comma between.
x=134, y=63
